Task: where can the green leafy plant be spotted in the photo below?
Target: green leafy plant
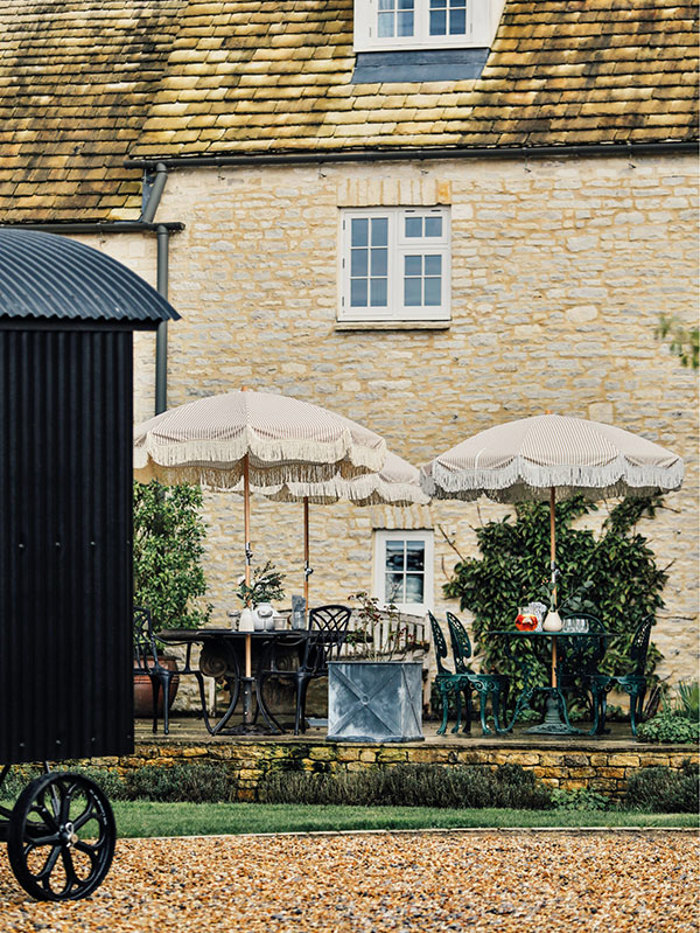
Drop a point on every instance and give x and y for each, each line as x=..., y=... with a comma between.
x=689, y=699
x=684, y=341
x=661, y=789
x=266, y=586
x=614, y=576
x=169, y=538
x=580, y=798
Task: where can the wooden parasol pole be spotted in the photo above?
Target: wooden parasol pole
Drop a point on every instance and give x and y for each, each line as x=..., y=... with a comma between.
x=307, y=569
x=248, y=552
x=552, y=561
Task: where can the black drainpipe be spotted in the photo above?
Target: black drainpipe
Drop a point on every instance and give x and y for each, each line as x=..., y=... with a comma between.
x=162, y=261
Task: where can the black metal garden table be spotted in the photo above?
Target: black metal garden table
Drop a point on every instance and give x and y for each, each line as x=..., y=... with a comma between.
x=556, y=719
x=223, y=658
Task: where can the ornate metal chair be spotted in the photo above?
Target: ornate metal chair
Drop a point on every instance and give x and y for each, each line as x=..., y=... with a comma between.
x=578, y=660
x=447, y=682
x=492, y=686
x=146, y=661
x=635, y=683
x=321, y=643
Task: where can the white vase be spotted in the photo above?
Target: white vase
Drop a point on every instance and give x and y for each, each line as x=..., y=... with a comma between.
x=245, y=621
x=552, y=622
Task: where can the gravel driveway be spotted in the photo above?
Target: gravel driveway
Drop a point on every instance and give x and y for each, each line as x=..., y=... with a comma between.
x=375, y=882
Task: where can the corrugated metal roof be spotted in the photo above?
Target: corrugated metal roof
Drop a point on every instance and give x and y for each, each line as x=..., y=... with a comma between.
x=46, y=276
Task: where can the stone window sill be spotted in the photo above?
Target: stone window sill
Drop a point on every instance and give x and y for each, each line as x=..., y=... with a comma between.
x=391, y=325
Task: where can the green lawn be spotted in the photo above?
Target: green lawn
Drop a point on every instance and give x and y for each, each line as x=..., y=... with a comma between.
x=141, y=818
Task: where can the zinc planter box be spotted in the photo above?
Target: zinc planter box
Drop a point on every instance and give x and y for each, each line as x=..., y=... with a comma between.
x=375, y=701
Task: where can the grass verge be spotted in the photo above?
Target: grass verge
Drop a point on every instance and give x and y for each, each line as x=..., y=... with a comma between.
x=142, y=818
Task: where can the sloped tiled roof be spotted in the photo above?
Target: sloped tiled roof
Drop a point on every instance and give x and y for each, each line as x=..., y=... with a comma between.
x=83, y=85
x=76, y=80
x=589, y=71
x=270, y=76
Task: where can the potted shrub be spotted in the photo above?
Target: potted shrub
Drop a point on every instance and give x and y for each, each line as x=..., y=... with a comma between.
x=169, y=579
x=266, y=585
x=376, y=695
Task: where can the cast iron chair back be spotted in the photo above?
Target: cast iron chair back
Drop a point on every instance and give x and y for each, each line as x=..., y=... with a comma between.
x=328, y=629
x=461, y=645
x=639, y=648
x=146, y=662
x=440, y=646
x=582, y=655
x=635, y=683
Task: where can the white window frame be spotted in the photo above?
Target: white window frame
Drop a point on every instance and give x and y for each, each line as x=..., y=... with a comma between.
x=479, y=33
x=381, y=537
x=399, y=246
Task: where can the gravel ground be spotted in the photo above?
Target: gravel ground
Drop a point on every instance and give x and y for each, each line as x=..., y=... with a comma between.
x=371, y=883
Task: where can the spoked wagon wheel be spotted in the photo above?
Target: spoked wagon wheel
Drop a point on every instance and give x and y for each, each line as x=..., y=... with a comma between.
x=61, y=837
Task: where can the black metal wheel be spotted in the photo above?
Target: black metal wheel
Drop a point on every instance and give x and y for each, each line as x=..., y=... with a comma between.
x=61, y=837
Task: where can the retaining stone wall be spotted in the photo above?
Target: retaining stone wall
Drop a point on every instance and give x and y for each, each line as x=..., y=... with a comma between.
x=603, y=770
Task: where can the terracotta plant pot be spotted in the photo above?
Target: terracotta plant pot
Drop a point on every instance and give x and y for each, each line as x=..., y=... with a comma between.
x=143, y=692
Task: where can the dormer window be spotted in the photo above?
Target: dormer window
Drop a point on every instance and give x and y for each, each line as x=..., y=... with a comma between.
x=425, y=24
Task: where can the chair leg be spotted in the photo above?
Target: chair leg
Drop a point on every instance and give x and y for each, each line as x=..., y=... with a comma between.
x=634, y=697
x=155, y=690
x=444, y=696
x=458, y=709
x=468, y=704
x=165, y=684
x=299, y=714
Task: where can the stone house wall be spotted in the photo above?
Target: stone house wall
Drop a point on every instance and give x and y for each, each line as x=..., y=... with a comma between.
x=560, y=270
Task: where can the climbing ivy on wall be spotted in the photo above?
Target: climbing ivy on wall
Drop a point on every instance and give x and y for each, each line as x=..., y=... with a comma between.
x=613, y=576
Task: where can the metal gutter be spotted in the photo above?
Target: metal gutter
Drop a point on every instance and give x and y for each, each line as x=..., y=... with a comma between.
x=155, y=192
x=422, y=154
x=112, y=226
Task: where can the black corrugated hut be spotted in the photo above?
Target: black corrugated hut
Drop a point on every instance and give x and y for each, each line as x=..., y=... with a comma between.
x=67, y=317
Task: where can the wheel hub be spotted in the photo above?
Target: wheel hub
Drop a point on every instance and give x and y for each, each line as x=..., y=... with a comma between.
x=69, y=837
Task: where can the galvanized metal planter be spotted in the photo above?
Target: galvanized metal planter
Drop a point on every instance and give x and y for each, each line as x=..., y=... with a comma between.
x=375, y=701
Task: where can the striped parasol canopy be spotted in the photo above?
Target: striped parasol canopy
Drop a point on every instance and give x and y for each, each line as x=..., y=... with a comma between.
x=524, y=460
x=397, y=484
x=278, y=438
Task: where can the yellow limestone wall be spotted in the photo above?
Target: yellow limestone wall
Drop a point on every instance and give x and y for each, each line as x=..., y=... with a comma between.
x=560, y=270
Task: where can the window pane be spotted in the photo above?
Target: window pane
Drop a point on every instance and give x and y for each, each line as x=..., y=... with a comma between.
x=358, y=293
x=378, y=293
x=432, y=292
x=386, y=4
x=404, y=24
x=411, y=293
x=380, y=231
x=414, y=588
x=438, y=23
x=393, y=588
x=415, y=555
x=413, y=265
x=358, y=262
x=433, y=265
x=458, y=23
x=394, y=555
x=385, y=25
x=379, y=261
x=414, y=226
x=359, y=227
x=433, y=226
